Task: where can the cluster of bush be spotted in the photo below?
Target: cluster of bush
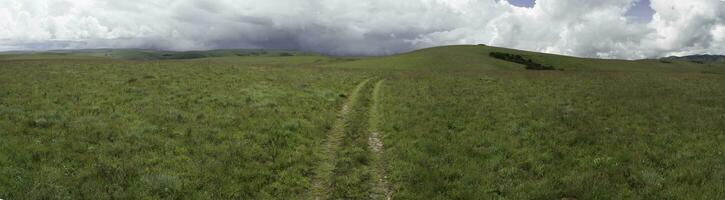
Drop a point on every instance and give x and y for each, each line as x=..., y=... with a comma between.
x=530, y=64
x=182, y=55
x=262, y=53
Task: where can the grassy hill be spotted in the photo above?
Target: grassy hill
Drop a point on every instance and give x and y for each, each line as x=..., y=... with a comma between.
x=477, y=56
x=440, y=123
x=699, y=59
x=458, y=56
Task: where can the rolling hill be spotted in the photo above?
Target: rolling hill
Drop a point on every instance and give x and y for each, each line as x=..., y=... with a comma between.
x=477, y=56
x=700, y=59
x=457, y=56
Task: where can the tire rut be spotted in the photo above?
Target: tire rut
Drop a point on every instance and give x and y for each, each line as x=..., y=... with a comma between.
x=321, y=183
x=381, y=189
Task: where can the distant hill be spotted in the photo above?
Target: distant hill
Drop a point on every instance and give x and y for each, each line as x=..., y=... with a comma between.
x=457, y=56
x=478, y=56
x=701, y=59
x=144, y=54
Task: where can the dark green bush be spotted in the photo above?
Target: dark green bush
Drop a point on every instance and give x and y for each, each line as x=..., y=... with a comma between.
x=530, y=64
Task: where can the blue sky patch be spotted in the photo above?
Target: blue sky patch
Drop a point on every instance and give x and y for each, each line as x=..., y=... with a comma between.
x=640, y=12
x=523, y=3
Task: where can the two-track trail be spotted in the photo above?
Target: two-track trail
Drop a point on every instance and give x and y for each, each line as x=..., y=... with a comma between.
x=352, y=165
x=322, y=181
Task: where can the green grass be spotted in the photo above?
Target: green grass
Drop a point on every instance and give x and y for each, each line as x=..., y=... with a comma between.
x=548, y=135
x=455, y=123
x=162, y=130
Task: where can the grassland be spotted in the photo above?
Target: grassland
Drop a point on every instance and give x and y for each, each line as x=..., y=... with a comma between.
x=454, y=123
x=118, y=129
x=548, y=135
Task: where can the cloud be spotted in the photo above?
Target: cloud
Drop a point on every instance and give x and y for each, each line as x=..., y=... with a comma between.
x=366, y=27
x=685, y=27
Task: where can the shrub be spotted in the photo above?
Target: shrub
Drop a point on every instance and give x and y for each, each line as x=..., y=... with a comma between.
x=530, y=64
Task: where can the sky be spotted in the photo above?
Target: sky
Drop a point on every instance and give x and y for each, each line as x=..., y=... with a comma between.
x=627, y=29
x=523, y=3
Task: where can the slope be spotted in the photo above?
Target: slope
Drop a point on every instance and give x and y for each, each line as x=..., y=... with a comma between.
x=477, y=56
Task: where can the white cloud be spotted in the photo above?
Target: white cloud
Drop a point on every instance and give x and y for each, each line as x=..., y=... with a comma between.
x=572, y=27
x=686, y=27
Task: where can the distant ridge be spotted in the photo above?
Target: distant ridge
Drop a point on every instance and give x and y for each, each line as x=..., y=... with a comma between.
x=455, y=56
x=147, y=54
x=701, y=59
x=151, y=54
x=479, y=56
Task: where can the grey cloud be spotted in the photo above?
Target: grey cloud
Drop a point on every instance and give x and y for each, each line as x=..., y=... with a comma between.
x=369, y=27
